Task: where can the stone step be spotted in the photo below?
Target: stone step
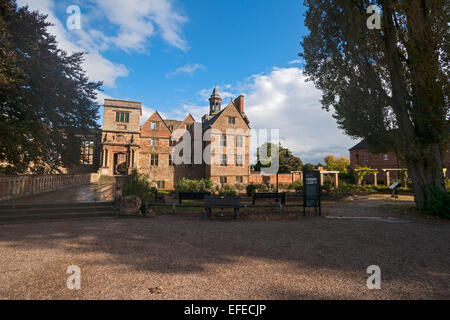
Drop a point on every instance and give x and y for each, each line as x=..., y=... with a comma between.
x=54, y=216
x=9, y=212
x=52, y=206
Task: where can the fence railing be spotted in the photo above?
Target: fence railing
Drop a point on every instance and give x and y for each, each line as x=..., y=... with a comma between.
x=24, y=185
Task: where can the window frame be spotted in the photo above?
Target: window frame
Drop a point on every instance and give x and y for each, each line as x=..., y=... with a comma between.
x=241, y=163
x=154, y=160
x=223, y=140
x=224, y=161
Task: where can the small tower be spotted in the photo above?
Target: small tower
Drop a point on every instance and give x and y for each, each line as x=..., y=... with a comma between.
x=215, y=102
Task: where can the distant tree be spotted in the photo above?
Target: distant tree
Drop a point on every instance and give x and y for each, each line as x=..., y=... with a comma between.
x=309, y=167
x=46, y=98
x=337, y=164
x=288, y=162
x=389, y=86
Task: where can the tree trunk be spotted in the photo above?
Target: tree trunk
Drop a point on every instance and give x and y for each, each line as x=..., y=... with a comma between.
x=426, y=173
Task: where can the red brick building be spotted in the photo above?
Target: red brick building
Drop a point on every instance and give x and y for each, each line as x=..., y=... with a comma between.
x=361, y=157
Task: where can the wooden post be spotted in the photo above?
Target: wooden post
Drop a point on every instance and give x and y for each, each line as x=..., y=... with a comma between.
x=358, y=180
x=375, y=179
x=388, y=178
x=336, y=180
x=321, y=178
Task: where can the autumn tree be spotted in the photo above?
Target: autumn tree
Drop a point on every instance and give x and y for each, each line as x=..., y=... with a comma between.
x=389, y=86
x=46, y=99
x=337, y=164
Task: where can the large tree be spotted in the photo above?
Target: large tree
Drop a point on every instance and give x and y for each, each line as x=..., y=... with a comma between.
x=389, y=86
x=287, y=161
x=46, y=99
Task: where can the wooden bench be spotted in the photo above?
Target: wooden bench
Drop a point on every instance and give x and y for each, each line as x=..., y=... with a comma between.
x=270, y=195
x=160, y=197
x=192, y=196
x=233, y=202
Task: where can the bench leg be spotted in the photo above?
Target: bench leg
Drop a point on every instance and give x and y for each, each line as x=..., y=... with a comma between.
x=205, y=214
x=236, y=214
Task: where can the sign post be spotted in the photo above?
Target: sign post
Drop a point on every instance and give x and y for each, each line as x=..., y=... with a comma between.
x=311, y=191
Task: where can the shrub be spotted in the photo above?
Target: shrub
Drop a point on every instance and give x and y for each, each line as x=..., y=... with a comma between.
x=437, y=203
x=297, y=186
x=347, y=177
x=251, y=189
x=186, y=185
x=327, y=186
x=227, y=190
x=138, y=185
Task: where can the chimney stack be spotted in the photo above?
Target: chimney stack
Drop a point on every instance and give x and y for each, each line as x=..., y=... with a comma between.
x=239, y=102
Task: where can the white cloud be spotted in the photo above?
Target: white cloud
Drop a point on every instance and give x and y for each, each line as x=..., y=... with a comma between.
x=297, y=61
x=282, y=99
x=138, y=20
x=130, y=25
x=97, y=67
x=188, y=69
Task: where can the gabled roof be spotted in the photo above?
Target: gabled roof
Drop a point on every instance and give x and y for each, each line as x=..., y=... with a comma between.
x=211, y=121
x=360, y=146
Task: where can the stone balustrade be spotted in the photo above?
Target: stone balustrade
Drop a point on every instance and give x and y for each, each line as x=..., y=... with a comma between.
x=24, y=185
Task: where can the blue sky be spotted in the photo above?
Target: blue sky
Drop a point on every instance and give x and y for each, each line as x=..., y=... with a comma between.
x=169, y=54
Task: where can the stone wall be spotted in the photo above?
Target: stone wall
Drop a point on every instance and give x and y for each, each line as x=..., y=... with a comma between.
x=20, y=186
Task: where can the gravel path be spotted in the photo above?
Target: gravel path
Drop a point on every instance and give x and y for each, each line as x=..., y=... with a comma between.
x=190, y=258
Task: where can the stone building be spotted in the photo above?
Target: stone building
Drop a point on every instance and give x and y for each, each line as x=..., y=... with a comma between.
x=218, y=148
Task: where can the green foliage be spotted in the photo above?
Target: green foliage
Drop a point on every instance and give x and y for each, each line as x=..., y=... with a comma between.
x=347, y=178
x=447, y=184
x=337, y=164
x=363, y=171
x=309, y=167
x=389, y=86
x=46, y=97
x=227, y=190
x=186, y=185
x=287, y=161
x=327, y=186
x=138, y=185
x=437, y=202
x=251, y=189
x=297, y=186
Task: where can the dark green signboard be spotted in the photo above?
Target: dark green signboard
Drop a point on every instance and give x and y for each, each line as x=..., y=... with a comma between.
x=311, y=191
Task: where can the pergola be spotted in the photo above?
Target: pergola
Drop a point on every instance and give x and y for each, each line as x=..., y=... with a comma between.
x=388, y=171
x=367, y=171
x=335, y=173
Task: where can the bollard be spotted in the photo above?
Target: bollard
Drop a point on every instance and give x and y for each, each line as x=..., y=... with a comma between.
x=174, y=208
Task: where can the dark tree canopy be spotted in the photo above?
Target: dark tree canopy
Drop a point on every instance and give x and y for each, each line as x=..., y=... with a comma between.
x=45, y=95
x=287, y=161
x=388, y=86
